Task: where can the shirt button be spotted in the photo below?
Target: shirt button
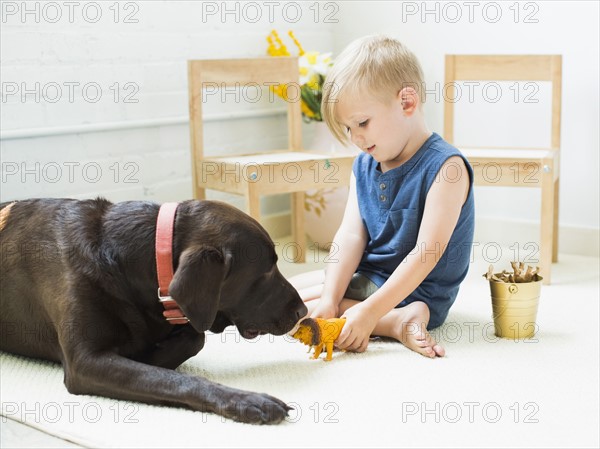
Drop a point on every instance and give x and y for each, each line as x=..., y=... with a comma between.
x=382, y=197
x=382, y=186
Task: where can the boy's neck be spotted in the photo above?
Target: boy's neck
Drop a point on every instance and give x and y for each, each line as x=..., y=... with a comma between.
x=412, y=146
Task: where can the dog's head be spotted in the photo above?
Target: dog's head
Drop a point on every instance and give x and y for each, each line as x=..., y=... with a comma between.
x=226, y=273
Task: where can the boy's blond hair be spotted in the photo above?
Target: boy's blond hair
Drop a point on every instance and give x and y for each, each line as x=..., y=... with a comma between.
x=373, y=65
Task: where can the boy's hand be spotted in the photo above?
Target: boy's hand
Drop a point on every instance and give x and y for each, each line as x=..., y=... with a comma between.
x=325, y=310
x=357, y=330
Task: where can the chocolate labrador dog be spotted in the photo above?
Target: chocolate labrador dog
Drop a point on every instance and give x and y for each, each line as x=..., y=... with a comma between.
x=79, y=286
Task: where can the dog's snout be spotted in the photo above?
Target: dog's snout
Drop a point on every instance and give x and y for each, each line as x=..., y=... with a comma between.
x=301, y=312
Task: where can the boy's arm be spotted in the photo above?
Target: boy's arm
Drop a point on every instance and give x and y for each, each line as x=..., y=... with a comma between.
x=442, y=209
x=346, y=251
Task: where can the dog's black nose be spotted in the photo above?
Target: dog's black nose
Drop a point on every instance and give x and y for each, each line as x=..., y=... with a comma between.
x=301, y=312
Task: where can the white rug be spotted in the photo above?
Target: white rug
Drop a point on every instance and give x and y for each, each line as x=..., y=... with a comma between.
x=486, y=392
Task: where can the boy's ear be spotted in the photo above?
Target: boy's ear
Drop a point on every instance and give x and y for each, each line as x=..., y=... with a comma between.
x=409, y=98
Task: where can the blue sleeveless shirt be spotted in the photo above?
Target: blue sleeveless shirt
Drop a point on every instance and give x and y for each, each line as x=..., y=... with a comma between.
x=392, y=204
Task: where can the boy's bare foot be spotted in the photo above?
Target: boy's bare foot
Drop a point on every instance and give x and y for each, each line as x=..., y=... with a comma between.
x=421, y=341
x=411, y=330
x=407, y=324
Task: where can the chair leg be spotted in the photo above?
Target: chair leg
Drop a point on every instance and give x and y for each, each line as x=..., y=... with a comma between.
x=200, y=193
x=555, y=224
x=253, y=203
x=298, y=233
x=547, y=225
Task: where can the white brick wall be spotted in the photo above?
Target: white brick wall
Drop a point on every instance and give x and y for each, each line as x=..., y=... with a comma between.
x=151, y=54
x=148, y=61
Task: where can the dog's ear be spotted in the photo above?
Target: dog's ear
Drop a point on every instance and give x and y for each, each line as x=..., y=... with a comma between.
x=196, y=285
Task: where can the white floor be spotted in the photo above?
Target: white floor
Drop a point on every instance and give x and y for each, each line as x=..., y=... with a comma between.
x=549, y=389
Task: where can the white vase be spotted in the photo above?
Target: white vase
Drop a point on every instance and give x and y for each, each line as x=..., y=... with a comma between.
x=324, y=208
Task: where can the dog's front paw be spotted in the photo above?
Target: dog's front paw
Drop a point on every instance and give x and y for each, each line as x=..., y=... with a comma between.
x=255, y=408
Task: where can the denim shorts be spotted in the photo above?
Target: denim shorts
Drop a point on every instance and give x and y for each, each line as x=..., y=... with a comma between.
x=360, y=287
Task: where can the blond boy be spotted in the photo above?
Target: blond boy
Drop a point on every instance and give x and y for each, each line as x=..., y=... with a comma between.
x=404, y=244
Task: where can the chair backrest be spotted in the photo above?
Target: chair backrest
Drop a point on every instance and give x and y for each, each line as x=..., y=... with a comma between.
x=228, y=73
x=504, y=68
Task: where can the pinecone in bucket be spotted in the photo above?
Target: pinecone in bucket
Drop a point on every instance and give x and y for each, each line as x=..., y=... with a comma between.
x=519, y=274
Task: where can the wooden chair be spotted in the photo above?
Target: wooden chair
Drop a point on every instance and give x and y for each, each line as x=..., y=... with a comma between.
x=289, y=170
x=515, y=165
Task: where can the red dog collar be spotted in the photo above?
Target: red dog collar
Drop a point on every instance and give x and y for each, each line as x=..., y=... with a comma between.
x=164, y=262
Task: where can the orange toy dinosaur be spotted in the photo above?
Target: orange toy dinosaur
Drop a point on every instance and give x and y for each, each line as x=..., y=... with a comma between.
x=319, y=333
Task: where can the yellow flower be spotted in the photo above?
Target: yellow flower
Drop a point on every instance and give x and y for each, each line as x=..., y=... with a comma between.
x=311, y=57
x=313, y=67
x=306, y=110
x=313, y=82
x=304, y=71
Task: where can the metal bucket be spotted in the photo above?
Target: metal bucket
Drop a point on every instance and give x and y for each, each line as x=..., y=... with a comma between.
x=515, y=308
